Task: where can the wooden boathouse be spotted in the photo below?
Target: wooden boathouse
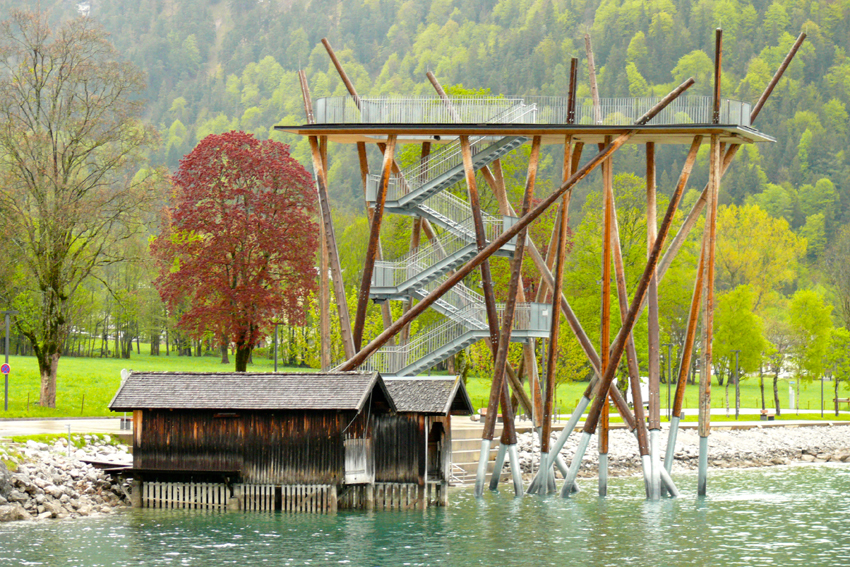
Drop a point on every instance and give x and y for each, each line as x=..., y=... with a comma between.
x=309, y=442
x=413, y=447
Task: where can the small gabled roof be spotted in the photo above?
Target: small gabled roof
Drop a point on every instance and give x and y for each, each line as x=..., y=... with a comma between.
x=250, y=391
x=436, y=396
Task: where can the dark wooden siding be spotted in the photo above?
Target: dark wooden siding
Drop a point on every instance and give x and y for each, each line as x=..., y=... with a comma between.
x=267, y=447
x=399, y=448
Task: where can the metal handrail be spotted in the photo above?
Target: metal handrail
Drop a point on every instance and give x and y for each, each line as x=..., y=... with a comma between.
x=446, y=158
x=548, y=110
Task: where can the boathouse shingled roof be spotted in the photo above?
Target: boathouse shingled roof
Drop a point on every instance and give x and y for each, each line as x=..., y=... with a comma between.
x=249, y=391
x=430, y=395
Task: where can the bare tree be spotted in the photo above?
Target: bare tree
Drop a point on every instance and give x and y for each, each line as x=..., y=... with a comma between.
x=71, y=143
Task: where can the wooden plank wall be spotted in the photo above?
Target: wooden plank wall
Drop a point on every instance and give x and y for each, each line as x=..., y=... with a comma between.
x=399, y=448
x=267, y=447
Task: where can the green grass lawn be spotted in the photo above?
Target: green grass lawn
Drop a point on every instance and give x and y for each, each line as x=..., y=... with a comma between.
x=569, y=394
x=85, y=386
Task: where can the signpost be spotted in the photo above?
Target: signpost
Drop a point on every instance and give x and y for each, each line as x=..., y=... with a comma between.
x=6, y=368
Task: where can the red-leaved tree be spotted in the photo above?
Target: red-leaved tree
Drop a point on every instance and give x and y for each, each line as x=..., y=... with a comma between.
x=239, y=242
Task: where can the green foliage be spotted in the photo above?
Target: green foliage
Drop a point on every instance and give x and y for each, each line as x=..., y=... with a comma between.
x=738, y=328
x=811, y=327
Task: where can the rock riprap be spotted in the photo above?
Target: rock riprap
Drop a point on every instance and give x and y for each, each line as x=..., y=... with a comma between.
x=48, y=483
x=741, y=448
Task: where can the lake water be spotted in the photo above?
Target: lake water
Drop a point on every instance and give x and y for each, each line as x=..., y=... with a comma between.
x=777, y=516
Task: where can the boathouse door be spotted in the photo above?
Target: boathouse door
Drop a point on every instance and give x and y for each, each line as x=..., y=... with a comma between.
x=359, y=453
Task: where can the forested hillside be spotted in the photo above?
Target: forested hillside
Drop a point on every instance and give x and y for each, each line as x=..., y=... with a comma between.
x=214, y=66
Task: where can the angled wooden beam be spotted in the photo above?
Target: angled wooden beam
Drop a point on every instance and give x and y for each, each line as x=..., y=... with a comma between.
x=327, y=223
x=374, y=239
x=618, y=346
x=697, y=208
x=511, y=232
x=386, y=315
x=510, y=306
x=498, y=388
x=374, y=242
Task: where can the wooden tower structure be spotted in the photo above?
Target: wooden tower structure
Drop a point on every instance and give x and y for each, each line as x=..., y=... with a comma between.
x=462, y=136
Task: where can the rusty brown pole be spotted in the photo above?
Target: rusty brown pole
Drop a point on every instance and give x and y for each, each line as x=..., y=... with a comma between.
x=708, y=315
x=618, y=346
x=414, y=244
x=498, y=189
x=346, y=81
x=498, y=387
x=594, y=90
x=654, y=332
x=718, y=60
x=386, y=316
x=709, y=240
x=697, y=208
x=631, y=352
x=324, y=302
x=374, y=241
x=508, y=315
x=511, y=232
x=534, y=406
x=605, y=325
x=327, y=223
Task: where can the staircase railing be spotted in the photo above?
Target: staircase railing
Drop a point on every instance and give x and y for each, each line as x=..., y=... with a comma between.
x=446, y=158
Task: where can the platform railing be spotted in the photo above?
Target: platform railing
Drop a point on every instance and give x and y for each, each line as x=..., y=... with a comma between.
x=547, y=110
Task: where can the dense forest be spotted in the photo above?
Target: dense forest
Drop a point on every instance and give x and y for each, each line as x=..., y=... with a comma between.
x=214, y=66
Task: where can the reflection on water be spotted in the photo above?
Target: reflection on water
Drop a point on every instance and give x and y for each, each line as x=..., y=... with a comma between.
x=779, y=516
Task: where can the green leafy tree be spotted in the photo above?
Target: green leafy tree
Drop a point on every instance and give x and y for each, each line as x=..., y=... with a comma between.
x=737, y=329
x=70, y=143
x=811, y=326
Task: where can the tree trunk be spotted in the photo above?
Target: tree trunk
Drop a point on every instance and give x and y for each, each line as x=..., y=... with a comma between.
x=223, y=347
x=47, y=366
x=835, y=386
x=243, y=355
x=776, y=393
x=155, y=344
x=761, y=385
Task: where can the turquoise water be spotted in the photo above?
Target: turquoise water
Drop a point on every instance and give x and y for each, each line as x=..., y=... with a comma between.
x=778, y=516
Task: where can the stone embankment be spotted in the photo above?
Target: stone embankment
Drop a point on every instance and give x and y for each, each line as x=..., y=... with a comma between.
x=727, y=449
x=44, y=482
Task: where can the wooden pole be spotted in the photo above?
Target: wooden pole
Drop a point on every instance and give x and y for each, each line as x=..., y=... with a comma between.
x=605, y=325
x=718, y=60
x=327, y=224
x=374, y=240
x=511, y=232
x=509, y=434
x=497, y=183
x=697, y=208
x=555, y=325
x=324, y=303
x=386, y=315
x=654, y=341
x=594, y=90
x=708, y=312
x=498, y=387
x=618, y=346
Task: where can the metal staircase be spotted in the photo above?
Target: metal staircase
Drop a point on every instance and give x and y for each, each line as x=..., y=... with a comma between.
x=420, y=190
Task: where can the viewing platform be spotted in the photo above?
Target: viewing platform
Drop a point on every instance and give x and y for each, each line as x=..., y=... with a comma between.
x=345, y=119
